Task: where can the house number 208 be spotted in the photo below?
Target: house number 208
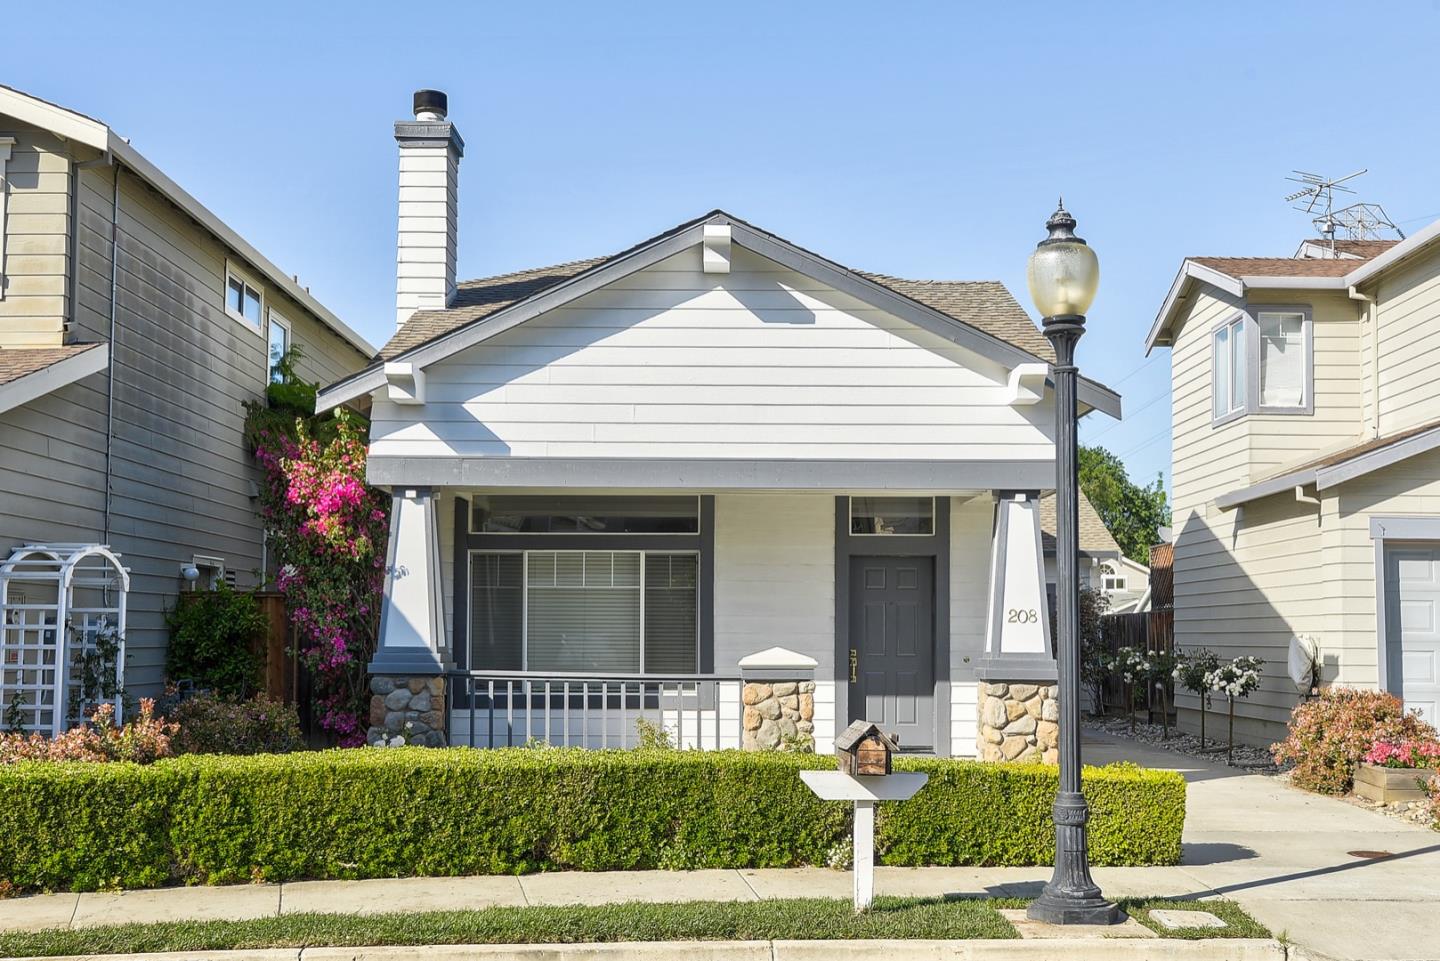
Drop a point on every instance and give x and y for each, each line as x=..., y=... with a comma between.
x=1018, y=616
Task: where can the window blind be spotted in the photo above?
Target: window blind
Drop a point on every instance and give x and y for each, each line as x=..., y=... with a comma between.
x=1220, y=357
x=584, y=611
x=671, y=613
x=497, y=620
x=1282, y=360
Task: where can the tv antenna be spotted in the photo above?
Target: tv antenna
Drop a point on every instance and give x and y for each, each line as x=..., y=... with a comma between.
x=1359, y=221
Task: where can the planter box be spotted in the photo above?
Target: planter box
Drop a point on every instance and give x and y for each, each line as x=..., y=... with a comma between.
x=1388, y=785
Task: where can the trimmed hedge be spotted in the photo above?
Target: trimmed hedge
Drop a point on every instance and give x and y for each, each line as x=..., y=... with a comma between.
x=419, y=811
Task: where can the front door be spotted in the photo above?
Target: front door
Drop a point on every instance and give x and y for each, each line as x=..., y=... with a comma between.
x=1412, y=608
x=892, y=637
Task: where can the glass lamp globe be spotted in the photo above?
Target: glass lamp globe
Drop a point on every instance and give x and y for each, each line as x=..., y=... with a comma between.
x=1063, y=272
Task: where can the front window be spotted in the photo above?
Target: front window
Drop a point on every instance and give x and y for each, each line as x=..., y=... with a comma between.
x=279, y=345
x=602, y=612
x=580, y=514
x=1282, y=358
x=1228, y=359
x=892, y=515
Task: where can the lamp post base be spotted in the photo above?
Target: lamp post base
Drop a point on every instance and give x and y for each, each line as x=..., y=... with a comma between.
x=1065, y=909
x=1072, y=896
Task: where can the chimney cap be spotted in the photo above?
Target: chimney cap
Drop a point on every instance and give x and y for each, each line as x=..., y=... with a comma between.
x=431, y=105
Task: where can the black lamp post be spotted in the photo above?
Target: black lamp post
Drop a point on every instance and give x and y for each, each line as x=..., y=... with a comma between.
x=1063, y=274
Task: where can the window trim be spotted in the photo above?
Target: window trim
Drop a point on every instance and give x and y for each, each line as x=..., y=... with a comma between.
x=850, y=515
x=1247, y=319
x=274, y=318
x=235, y=272
x=1113, y=582
x=524, y=554
x=1235, y=325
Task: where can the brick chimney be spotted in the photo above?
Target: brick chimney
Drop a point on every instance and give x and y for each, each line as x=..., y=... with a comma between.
x=430, y=152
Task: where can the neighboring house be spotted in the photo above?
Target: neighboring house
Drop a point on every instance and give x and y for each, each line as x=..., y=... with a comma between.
x=1125, y=584
x=133, y=326
x=634, y=473
x=1097, y=546
x=1306, y=475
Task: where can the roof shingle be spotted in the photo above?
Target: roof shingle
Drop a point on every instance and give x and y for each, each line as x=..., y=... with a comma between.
x=17, y=362
x=1095, y=537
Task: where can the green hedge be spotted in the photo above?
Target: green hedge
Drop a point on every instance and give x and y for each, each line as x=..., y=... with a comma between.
x=417, y=811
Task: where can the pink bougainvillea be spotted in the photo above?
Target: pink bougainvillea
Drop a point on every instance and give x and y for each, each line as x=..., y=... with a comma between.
x=327, y=531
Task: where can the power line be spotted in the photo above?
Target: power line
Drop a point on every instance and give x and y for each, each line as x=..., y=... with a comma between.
x=1143, y=407
x=1144, y=444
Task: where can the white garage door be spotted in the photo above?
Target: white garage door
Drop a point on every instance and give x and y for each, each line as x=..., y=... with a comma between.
x=1412, y=611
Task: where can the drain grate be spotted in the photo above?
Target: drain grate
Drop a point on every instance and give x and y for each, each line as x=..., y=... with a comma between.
x=1370, y=855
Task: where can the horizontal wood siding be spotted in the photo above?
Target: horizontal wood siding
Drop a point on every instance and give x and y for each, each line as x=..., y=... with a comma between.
x=1407, y=311
x=1206, y=460
x=673, y=362
x=33, y=303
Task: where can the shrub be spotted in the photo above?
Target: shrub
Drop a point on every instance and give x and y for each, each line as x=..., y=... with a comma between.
x=1330, y=735
x=1405, y=754
x=419, y=811
x=141, y=741
x=216, y=725
x=213, y=637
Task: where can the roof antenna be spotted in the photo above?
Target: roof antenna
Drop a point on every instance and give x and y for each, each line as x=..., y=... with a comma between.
x=1359, y=221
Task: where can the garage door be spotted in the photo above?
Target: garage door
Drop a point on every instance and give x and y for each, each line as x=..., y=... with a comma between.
x=1412, y=611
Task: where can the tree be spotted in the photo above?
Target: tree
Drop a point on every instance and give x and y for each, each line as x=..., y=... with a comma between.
x=1133, y=514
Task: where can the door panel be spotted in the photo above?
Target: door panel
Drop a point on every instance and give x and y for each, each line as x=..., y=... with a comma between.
x=892, y=628
x=1412, y=609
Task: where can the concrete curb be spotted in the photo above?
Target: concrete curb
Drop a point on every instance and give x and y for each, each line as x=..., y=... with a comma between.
x=1071, y=949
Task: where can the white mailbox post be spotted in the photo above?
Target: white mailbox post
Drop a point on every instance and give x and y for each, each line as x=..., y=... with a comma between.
x=864, y=790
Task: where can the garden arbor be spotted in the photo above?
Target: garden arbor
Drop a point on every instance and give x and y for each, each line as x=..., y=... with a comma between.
x=62, y=634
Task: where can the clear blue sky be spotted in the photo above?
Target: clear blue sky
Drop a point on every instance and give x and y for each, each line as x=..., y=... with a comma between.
x=924, y=140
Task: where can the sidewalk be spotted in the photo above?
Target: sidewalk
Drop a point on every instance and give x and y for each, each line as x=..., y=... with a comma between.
x=1282, y=854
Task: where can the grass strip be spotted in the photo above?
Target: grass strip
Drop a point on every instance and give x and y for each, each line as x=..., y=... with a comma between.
x=1238, y=924
x=797, y=919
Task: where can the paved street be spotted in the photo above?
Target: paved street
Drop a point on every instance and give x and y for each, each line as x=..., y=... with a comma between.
x=1281, y=853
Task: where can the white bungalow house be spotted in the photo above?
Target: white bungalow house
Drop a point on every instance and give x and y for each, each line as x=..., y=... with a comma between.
x=622, y=483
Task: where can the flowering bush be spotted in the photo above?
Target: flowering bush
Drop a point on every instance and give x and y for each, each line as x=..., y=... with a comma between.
x=1332, y=733
x=215, y=725
x=1192, y=672
x=1239, y=678
x=213, y=638
x=142, y=740
x=1406, y=754
x=328, y=531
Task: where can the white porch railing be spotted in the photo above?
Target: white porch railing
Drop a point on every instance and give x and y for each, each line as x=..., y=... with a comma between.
x=510, y=709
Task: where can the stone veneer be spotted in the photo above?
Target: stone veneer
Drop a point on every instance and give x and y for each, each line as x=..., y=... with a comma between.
x=1019, y=721
x=417, y=700
x=777, y=711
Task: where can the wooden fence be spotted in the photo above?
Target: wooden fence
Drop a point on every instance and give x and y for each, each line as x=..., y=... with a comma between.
x=1144, y=631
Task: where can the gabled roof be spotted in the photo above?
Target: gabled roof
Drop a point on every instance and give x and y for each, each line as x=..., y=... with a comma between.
x=1337, y=467
x=30, y=372
x=979, y=315
x=1351, y=249
x=1095, y=537
x=96, y=134
x=1362, y=260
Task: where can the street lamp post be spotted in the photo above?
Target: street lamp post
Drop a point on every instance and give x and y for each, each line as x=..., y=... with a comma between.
x=1063, y=274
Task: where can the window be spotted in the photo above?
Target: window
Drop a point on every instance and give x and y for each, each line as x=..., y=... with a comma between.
x=1282, y=358
x=1228, y=358
x=572, y=514
x=242, y=299
x=892, y=515
x=279, y=340
x=606, y=612
x=1114, y=582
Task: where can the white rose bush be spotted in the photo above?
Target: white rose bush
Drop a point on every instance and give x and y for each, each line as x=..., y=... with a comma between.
x=1239, y=678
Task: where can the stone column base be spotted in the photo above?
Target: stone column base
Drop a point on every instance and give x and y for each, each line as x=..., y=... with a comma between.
x=1019, y=721
x=408, y=707
x=779, y=715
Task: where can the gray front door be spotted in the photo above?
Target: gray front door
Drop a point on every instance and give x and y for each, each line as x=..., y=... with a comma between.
x=1412, y=611
x=892, y=630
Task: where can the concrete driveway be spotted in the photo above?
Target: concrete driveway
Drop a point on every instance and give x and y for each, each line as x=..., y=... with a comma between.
x=1288, y=857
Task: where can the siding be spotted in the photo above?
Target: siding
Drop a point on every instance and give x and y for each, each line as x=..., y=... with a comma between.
x=672, y=362
x=1407, y=312
x=181, y=476
x=972, y=522
x=33, y=303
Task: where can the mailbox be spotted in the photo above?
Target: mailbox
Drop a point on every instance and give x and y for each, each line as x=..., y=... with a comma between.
x=862, y=749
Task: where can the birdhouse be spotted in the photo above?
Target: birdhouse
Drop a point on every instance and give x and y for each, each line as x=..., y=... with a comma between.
x=864, y=750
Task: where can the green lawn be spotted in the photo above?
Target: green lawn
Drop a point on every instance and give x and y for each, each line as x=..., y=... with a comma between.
x=799, y=919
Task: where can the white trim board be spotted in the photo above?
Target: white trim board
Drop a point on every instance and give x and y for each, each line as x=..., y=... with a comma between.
x=24, y=389
x=92, y=133
x=682, y=238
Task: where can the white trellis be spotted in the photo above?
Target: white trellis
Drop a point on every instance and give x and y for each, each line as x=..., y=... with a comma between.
x=58, y=604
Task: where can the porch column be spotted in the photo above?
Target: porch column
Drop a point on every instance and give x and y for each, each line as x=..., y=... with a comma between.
x=1017, y=703
x=779, y=700
x=407, y=680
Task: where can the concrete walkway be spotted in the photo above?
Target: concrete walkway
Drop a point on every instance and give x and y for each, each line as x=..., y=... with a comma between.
x=1281, y=853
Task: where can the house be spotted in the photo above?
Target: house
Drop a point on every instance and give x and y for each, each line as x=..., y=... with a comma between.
x=638, y=482
x=1100, y=556
x=1306, y=418
x=1125, y=584
x=133, y=326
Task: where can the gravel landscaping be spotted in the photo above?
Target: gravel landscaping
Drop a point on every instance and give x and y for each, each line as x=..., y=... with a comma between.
x=1254, y=759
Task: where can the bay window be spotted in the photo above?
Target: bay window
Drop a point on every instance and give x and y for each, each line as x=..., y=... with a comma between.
x=1229, y=368
x=1262, y=362
x=1282, y=358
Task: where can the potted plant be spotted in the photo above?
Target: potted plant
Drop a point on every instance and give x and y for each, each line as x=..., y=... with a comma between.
x=1395, y=771
x=1192, y=672
x=1239, y=678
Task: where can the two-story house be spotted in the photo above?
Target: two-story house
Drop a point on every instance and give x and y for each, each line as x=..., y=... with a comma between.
x=133, y=326
x=1306, y=475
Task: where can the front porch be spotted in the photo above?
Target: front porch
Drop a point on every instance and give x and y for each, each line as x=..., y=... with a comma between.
x=726, y=619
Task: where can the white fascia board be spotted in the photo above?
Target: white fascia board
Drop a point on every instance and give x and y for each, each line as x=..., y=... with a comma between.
x=1397, y=253
x=1274, y=485
x=1179, y=288
x=1265, y=282
x=54, y=118
x=1359, y=466
x=25, y=389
